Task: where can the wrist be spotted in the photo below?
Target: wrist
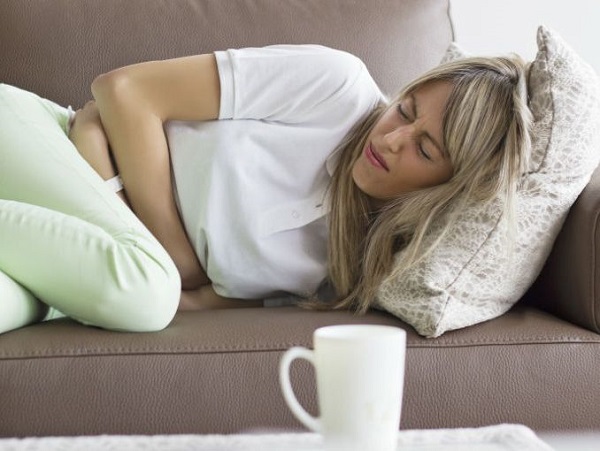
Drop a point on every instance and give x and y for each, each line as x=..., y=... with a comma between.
x=193, y=276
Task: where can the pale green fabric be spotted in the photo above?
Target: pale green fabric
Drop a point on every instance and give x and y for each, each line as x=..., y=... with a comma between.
x=19, y=306
x=65, y=237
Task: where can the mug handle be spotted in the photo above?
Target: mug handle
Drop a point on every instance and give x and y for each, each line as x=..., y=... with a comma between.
x=312, y=423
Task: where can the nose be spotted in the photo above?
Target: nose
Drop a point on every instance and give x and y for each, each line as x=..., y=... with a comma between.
x=396, y=139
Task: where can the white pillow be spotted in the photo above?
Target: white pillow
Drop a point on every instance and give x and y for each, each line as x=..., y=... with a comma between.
x=468, y=278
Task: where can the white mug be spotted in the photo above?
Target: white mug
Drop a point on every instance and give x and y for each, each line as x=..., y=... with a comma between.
x=360, y=378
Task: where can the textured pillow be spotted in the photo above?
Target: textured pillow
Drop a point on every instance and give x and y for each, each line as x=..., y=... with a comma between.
x=469, y=277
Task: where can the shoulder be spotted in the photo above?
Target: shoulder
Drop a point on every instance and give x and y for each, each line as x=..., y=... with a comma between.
x=310, y=61
x=294, y=52
x=289, y=82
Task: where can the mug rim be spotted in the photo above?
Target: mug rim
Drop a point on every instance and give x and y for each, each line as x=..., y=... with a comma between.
x=358, y=331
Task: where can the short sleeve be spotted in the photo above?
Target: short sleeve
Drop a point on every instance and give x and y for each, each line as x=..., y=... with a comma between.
x=284, y=83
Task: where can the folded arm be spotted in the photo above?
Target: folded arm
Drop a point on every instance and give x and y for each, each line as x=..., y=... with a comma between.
x=134, y=102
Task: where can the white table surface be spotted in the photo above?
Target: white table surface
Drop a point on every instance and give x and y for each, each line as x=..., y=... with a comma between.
x=492, y=438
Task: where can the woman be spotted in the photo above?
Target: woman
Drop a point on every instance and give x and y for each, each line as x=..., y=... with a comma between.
x=265, y=200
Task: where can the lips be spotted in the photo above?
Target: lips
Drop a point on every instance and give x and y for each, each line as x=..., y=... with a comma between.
x=375, y=159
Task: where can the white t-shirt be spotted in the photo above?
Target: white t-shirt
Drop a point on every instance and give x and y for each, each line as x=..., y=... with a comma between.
x=251, y=185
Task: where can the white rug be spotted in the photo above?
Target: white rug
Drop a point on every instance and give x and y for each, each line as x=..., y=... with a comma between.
x=492, y=438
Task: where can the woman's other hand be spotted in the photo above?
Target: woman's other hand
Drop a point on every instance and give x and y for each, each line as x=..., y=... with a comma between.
x=205, y=298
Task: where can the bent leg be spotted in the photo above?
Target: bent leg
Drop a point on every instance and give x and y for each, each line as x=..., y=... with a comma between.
x=65, y=236
x=112, y=281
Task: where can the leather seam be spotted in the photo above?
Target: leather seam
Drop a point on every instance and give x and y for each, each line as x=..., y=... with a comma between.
x=531, y=341
x=124, y=352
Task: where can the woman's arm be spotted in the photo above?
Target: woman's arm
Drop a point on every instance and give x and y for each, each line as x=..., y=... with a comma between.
x=134, y=102
x=88, y=136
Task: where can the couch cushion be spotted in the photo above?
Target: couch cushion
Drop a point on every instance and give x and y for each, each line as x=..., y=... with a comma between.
x=217, y=372
x=469, y=277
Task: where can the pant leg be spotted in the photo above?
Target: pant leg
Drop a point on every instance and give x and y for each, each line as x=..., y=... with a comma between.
x=18, y=306
x=65, y=236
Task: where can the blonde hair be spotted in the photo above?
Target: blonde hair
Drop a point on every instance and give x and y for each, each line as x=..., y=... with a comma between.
x=486, y=127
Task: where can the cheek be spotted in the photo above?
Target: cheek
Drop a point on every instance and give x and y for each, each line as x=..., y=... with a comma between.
x=427, y=177
x=359, y=173
x=438, y=176
x=442, y=173
x=413, y=173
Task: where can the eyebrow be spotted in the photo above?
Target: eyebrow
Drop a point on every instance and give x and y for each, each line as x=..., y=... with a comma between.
x=426, y=133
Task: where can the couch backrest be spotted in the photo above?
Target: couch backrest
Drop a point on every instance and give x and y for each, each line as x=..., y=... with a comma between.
x=56, y=47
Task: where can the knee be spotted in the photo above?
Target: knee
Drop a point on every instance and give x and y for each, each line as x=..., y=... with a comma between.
x=143, y=299
x=153, y=302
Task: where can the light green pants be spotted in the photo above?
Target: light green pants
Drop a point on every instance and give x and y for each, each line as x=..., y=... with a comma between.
x=67, y=242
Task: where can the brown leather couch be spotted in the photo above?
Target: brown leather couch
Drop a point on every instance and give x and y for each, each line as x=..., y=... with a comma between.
x=216, y=372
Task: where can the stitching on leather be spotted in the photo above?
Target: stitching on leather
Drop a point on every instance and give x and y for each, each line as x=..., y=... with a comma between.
x=114, y=352
x=280, y=347
x=511, y=341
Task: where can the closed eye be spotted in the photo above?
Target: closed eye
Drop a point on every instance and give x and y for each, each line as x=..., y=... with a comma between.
x=402, y=112
x=424, y=153
x=404, y=115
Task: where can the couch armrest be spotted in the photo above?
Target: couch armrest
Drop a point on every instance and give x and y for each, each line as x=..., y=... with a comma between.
x=569, y=284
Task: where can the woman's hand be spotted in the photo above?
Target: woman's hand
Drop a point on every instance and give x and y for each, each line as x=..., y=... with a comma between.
x=88, y=136
x=205, y=298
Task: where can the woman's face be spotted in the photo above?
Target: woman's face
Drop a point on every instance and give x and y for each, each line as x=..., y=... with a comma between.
x=404, y=151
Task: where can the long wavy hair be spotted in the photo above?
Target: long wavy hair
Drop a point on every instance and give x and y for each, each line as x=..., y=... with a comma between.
x=486, y=131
